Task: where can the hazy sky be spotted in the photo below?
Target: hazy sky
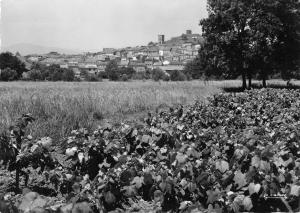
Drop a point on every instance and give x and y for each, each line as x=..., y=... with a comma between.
x=94, y=24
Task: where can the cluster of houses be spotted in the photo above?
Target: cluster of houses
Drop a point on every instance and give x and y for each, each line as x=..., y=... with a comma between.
x=166, y=55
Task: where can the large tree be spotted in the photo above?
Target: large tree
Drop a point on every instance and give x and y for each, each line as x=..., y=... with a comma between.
x=226, y=34
x=245, y=37
x=275, y=44
x=8, y=60
x=112, y=70
x=288, y=49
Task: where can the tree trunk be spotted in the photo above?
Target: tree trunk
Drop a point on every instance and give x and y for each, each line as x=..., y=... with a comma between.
x=264, y=81
x=244, y=81
x=249, y=81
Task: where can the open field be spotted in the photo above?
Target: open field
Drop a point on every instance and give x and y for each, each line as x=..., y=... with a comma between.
x=60, y=107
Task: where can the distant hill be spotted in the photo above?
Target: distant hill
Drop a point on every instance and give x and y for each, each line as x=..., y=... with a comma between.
x=26, y=49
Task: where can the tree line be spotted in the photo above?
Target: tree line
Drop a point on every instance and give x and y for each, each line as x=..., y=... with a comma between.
x=12, y=68
x=116, y=73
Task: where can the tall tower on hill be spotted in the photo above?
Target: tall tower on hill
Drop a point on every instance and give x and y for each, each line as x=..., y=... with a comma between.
x=161, y=39
x=188, y=32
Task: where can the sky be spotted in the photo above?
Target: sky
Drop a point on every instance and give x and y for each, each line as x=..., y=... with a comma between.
x=95, y=24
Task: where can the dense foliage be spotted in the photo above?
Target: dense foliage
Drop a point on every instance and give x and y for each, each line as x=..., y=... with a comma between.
x=116, y=73
x=8, y=74
x=239, y=152
x=8, y=60
x=158, y=74
x=250, y=39
x=194, y=69
x=178, y=75
x=53, y=72
x=112, y=70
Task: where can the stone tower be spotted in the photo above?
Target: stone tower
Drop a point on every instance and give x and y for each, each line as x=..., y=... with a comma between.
x=161, y=39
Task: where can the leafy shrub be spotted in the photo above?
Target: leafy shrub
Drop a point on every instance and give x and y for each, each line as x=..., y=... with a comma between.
x=102, y=75
x=50, y=73
x=8, y=60
x=194, y=68
x=128, y=71
x=124, y=77
x=112, y=70
x=35, y=75
x=68, y=75
x=158, y=74
x=8, y=74
x=93, y=78
x=77, y=79
x=178, y=76
x=141, y=76
x=56, y=75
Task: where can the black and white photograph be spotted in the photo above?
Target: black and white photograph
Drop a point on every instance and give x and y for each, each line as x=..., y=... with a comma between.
x=152, y=106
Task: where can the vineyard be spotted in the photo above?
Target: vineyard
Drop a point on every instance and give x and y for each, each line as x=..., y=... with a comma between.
x=237, y=152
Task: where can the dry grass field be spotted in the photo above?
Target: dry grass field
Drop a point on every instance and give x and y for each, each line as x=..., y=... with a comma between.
x=60, y=107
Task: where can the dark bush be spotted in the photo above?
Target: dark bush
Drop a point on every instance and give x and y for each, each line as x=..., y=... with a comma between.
x=57, y=75
x=112, y=71
x=35, y=75
x=124, y=77
x=177, y=75
x=128, y=71
x=50, y=73
x=8, y=74
x=158, y=74
x=141, y=76
x=8, y=60
x=68, y=75
x=93, y=77
x=102, y=75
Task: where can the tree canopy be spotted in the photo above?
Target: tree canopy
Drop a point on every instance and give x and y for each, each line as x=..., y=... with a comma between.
x=40, y=72
x=8, y=74
x=8, y=60
x=112, y=70
x=246, y=38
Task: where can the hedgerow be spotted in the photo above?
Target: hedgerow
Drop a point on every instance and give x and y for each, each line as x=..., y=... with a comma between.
x=239, y=152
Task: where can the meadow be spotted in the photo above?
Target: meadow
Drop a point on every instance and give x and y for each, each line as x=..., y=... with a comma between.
x=60, y=107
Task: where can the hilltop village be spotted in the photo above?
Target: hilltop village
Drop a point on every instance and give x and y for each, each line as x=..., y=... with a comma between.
x=168, y=55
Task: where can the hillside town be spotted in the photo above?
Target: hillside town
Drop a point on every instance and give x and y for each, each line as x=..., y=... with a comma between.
x=168, y=55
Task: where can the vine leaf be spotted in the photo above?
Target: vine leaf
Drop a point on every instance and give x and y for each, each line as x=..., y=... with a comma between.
x=240, y=179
